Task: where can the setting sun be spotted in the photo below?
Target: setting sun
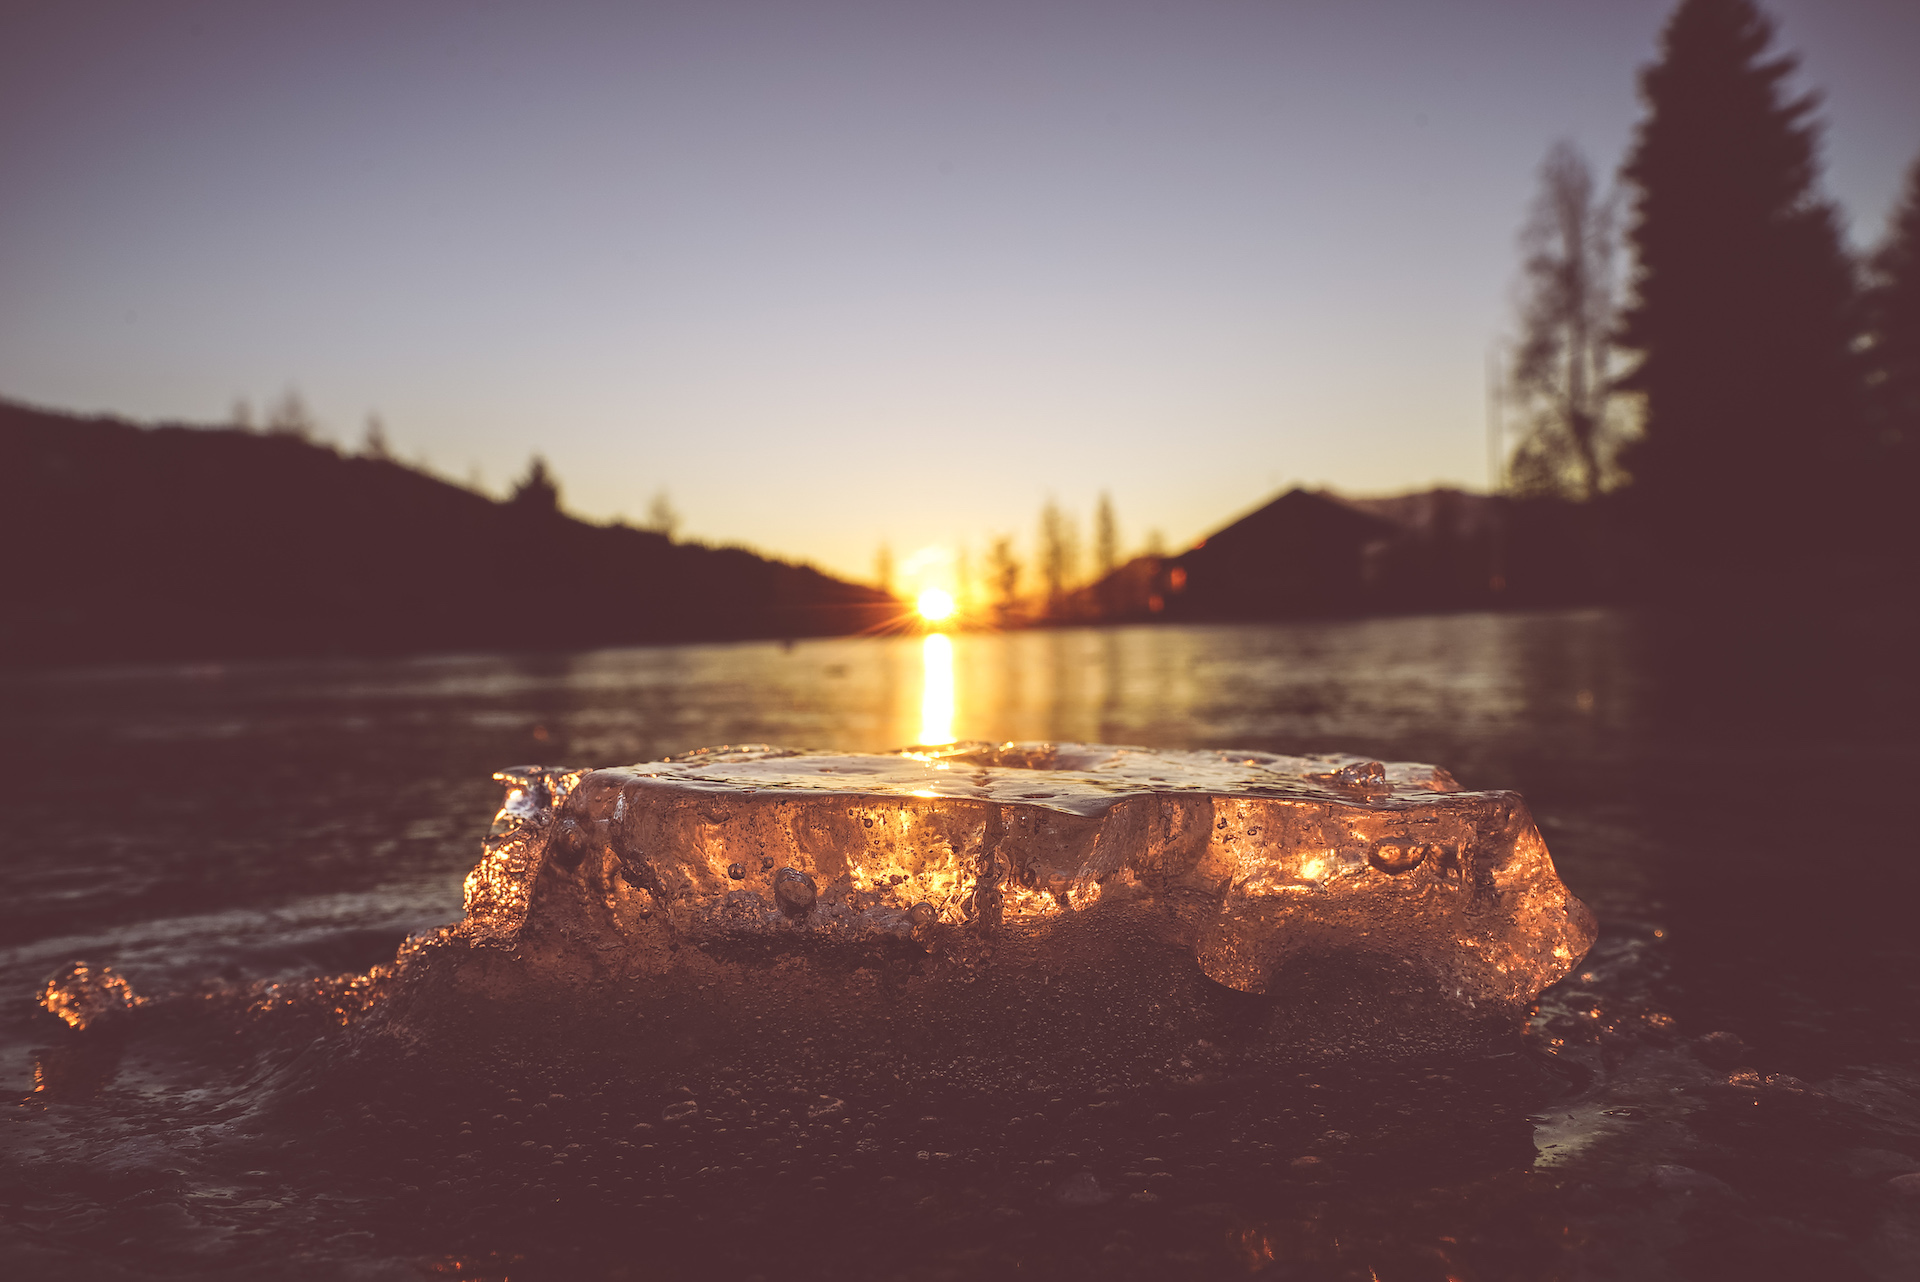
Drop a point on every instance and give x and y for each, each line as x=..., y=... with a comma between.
x=936, y=604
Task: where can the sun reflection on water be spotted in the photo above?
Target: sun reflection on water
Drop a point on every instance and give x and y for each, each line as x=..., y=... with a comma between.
x=936, y=699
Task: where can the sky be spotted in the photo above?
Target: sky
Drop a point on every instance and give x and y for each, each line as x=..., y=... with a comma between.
x=835, y=275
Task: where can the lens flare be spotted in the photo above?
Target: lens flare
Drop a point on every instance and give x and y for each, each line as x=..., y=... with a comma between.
x=936, y=604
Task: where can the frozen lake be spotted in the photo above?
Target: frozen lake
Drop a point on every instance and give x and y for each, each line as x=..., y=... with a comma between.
x=1752, y=868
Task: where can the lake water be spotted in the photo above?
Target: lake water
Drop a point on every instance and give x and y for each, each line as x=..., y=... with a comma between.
x=1729, y=1087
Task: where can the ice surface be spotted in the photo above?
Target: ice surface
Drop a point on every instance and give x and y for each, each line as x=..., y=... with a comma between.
x=1029, y=906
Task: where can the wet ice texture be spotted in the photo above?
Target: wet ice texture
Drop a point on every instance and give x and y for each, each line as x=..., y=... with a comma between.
x=83, y=994
x=1082, y=883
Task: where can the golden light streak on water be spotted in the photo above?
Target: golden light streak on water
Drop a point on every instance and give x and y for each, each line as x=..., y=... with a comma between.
x=936, y=697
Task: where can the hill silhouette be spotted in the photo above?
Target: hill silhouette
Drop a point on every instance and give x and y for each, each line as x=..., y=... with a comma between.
x=180, y=542
x=1310, y=554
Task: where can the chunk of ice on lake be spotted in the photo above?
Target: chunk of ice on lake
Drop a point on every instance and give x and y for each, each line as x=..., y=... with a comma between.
x=1031, y=905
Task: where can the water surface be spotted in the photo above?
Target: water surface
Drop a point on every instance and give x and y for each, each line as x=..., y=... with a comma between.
x=1753, y=867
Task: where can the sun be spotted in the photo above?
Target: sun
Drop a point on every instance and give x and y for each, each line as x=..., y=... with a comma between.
x=936, y=604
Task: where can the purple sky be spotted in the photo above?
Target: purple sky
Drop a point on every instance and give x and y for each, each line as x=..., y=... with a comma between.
x=836, y=273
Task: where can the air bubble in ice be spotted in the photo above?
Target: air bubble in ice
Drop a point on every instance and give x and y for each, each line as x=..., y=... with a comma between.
x=1397, y=857
x=794, y=890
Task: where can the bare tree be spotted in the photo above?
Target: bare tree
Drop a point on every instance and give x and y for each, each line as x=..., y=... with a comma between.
x=1562, y=382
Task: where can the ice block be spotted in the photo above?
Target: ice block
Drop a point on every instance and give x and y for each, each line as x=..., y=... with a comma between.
x=1027, y=907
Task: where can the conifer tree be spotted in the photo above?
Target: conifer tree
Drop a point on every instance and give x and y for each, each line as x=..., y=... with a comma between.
x=1106, y=537
x=536, y=492
x=1742, y=311
x=1893, y=324
x=1059, y=553
x=1004, y=574
x=1893, y=383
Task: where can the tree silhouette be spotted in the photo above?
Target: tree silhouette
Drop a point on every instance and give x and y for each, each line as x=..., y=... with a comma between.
x=662, y=516
x=536, y=492
x=1004, y=574
x=1892, y=454
x=375, y=445
x=1741, y=312
x=1106, y=537
x=289, y=416
x=1893, y=327
x=1561, y=379
x=1059, y=553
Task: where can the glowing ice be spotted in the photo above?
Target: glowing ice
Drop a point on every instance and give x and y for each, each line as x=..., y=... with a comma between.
x=1028, y=903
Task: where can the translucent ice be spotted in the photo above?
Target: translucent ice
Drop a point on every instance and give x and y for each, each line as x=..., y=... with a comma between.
x=1031, y=909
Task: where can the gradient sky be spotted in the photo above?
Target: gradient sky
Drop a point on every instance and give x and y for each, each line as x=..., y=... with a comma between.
x=835, y=274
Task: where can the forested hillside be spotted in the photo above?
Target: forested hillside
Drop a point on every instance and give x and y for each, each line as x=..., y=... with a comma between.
x=173, y=542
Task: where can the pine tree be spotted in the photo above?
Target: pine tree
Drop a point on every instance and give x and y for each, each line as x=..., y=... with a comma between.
x=536, y=493
x=1742, y=313
x=1893, y=324
x=1106, y=537
x=1059, y=554
x=1892, y=453
x=1004, y=574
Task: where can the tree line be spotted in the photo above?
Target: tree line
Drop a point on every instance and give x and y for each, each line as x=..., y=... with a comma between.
x=1056, y=582
x=1752, y=402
